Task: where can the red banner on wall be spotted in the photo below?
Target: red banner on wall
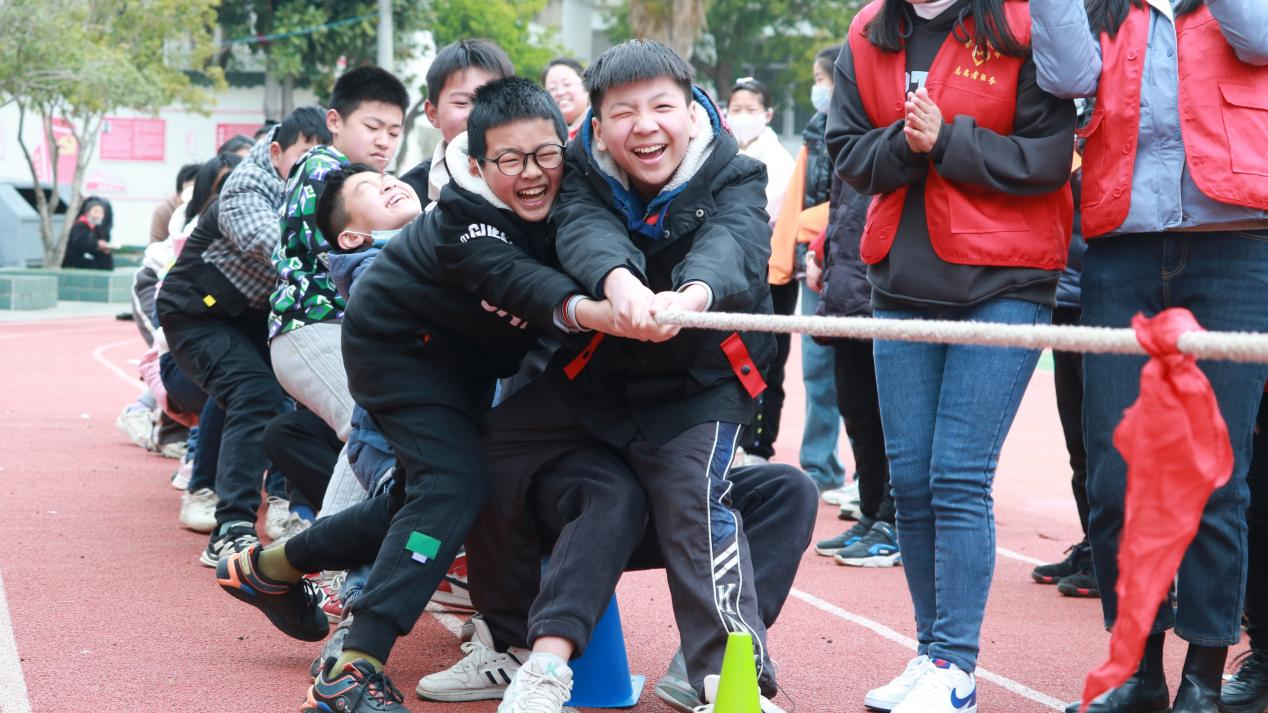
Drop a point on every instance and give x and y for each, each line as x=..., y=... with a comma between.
x=133, y=139
x=67, y=153
x=224, y=132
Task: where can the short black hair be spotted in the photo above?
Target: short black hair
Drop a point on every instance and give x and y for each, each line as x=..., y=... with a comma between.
x=235, y=144
x=505, y=100
x=186, y=174
x=748, y=84
x=636, y=61
x=462, y=55
x=367, y=84
x=309, y=121
x=827, y=58
x=265, y=128
x=331, y=217
x=568, y=62
x=890, y=28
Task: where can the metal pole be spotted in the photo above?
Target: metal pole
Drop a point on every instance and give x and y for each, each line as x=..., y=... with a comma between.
x=385, y=34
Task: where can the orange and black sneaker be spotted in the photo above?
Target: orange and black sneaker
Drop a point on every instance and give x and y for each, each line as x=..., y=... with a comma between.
x=358, y=688
x=295, y=609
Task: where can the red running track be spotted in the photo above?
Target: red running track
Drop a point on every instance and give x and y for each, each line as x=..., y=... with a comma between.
x=110, y=609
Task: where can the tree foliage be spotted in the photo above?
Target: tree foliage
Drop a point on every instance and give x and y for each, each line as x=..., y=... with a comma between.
x=773, y=40
x=79, y=60
x=506, y=23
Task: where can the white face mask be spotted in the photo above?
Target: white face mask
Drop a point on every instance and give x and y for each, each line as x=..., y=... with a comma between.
x=820, y=94
x=746, y=127
x=931, y=9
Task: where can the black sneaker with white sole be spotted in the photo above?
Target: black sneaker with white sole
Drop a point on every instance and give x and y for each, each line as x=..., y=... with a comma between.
x=827, y=548
x=233, y=537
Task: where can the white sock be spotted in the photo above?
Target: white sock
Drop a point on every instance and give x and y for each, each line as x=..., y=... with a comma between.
x=548, y=663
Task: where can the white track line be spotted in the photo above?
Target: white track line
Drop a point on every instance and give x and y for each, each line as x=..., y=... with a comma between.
x=13, y=698
x=98, y=355
x=1018, y=556
x=887, y=633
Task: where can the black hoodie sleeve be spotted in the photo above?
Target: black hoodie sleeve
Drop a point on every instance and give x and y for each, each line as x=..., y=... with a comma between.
x=1034, y=159
x=731, y=248
x=872, y=160
x=591, y=237
x=504, y=275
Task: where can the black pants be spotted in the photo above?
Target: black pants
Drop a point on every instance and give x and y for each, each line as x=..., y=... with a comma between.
x=229, y=359
x=1257, y=522
x=1067, y=368
x=412, y=532
x=305, y=448
x=759, y=437
x=711, y=575
x=860, y=409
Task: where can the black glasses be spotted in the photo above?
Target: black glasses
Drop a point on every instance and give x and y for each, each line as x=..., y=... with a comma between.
x=513, y=163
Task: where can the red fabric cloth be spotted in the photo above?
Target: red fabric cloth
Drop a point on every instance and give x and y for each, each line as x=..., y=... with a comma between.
x=1176, y=446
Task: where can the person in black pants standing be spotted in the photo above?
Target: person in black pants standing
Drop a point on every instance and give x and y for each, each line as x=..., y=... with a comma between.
x=1247, y=690
x=835, y=270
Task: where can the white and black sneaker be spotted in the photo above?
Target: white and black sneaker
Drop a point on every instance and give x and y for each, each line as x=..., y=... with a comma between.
x=233, y=537
x=674, y=688
x=482, y=674
x=711, y=695
x=542, y=685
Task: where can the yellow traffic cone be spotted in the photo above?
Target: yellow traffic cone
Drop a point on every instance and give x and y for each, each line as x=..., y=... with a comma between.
x=737, y=689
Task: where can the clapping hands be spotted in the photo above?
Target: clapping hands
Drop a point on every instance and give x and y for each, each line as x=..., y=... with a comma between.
x=923, y=123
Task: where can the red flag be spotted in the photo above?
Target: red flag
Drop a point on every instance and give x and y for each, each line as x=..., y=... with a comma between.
x=1176, y=446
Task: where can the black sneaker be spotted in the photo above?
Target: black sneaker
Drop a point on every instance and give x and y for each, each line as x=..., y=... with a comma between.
x=1078, y=557
x=827, y=548
x=878, y=548
x=236, y=538
x=295, y=609
x=1079, y=584
x=358, y=688
x=1247, y=690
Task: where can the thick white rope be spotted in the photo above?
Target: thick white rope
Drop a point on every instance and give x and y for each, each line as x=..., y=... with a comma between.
x=1227, y=346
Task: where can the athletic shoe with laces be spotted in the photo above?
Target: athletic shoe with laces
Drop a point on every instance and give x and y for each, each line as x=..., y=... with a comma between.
x=453, y=592
x=358, y=688
x=827, y=548
x=180, y=479
x=1077, y=557
x=540, y=686
x=893, y=693
x=293, y=526
x=851, y=510
x=198, y=510
x=292, y=607
x=330, y=586
x=481, y=674
x=1080, y=584
x=842, y=495
x=275, y=518
x=137, y=423
x=234, y=537
x=1247, y=690
x=674, y=688
x=942, y=688
x=711, y=695
x=878, y=548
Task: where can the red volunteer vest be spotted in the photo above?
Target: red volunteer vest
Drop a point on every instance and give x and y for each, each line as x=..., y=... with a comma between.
x=968, y=224
x=1223, y=119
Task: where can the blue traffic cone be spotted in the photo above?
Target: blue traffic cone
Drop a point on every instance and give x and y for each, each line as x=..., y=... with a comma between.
x=601, y=677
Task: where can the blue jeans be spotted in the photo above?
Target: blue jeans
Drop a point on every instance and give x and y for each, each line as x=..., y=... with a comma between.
x=945, y=410
x=823, y=421
x=1223, y=279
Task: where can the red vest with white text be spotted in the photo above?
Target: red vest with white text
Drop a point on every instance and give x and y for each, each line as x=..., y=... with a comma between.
x=1223, y=119
x=968, y=224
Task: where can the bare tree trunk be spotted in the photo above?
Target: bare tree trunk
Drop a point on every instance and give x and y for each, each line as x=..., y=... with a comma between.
x=86, y=134
x=272, y=98
x=675, y=23
x=42, y=202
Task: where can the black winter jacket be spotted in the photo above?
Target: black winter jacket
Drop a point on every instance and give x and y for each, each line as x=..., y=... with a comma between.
x=716, y=232
x=818, y=162
x=451, y=303
x=846, y=291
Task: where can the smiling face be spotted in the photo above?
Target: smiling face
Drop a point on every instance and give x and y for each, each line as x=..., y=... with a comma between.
x=369, y=135
x=453, y=104
x=645, y=126
x=531, y=193
x=375, y=201
x=566, y=88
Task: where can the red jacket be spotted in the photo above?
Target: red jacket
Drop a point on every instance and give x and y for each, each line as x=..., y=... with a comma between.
x=968, y=224
x=1223, y=107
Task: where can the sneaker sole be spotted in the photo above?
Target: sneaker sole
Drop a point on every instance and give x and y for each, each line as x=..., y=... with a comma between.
x=851, y=514
x=452, y=601
x=684, y=700
x=1082, y=592
x=875, y=561
x=482, y=694
x=825, y=552
x=1041, y=579
x=207, y=560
